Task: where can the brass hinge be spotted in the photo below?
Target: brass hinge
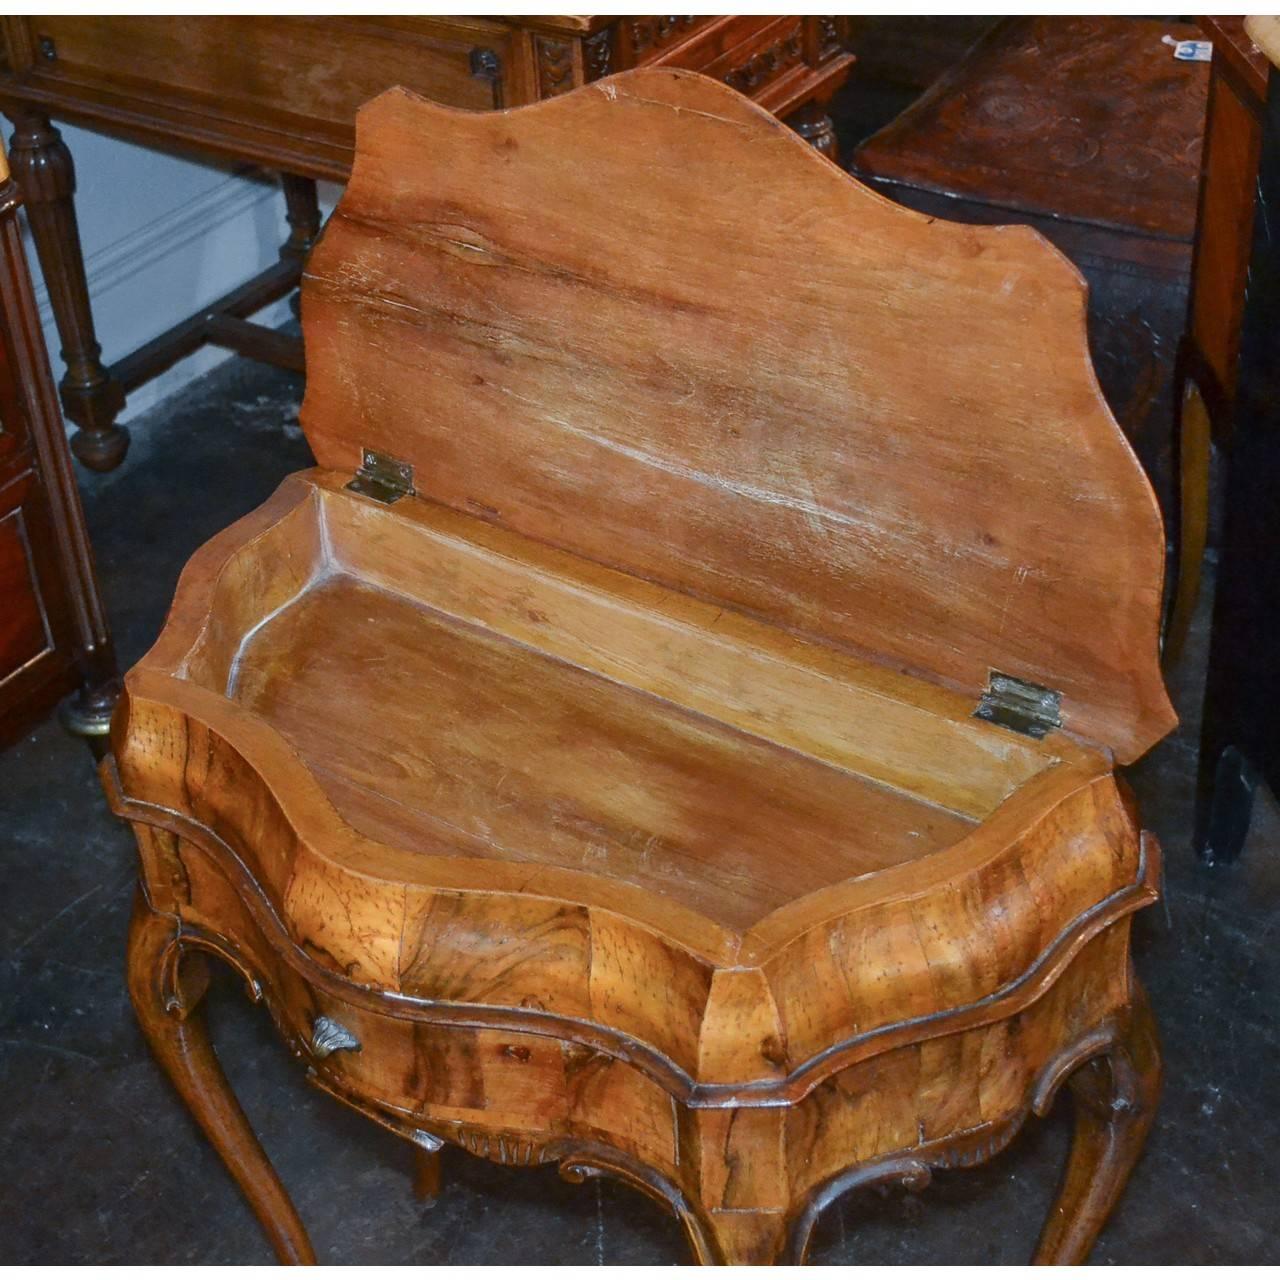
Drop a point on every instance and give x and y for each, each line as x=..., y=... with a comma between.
x=382, y=477
x=1020, y=705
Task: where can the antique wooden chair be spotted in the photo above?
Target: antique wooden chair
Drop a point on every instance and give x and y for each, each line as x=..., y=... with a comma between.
x=671, y=734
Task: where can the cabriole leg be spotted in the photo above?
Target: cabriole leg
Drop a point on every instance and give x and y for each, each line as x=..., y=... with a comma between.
x=1115, y=1100
x=737, y=1238
x=166, y=1001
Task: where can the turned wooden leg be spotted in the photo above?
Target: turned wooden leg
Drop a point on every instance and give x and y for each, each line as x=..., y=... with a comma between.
x=813, y=124
x=87, y=713
x=91, y=397
x=166, y=1000
x=1193, y=433
x=302, y=209
x=426, y=1174
x=1115, y=1099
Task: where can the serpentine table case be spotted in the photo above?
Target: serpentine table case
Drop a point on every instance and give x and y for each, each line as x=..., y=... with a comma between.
x=671, y=733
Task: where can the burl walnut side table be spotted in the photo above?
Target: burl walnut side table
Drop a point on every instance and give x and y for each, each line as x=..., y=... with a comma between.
x=671, y=733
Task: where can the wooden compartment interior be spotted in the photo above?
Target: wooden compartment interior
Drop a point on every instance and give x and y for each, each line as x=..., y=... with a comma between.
x=444, y=678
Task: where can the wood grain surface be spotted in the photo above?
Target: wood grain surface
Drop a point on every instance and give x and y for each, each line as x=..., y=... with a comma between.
x=789, y=396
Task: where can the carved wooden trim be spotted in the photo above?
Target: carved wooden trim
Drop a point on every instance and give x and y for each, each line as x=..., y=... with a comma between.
x=786, y=52
x=830, y=41
x=597, y=54
x=801, y=1081
x=580, y=1159
x=913, y=1169
x=555, y=66
x=652, y=33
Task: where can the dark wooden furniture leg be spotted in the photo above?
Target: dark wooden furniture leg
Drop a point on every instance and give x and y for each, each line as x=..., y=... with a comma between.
x=1115, y=1097
x=426, y=1174
x=815, y=126
x=302, y=208
x=1192, y=452
x=166, y=986
x=91, y=397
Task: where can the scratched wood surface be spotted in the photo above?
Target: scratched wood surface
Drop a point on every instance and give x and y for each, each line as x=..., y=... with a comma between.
x=696, y=351
x=462, y=735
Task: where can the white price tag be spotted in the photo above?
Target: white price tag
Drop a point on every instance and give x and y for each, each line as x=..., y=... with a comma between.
x=1191, y=50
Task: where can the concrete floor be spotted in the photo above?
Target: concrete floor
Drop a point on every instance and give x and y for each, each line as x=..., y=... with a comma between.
x=102, y=1164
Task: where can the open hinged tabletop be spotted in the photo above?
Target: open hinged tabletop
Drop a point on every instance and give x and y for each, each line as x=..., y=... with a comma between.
x=709, y=629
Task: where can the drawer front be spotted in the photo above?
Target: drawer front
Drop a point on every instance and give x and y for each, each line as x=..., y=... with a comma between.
x=641, y=41
x=766, y=56
x=239, y=67
x=24, y=630
x=503, y=1095
x=718, y=41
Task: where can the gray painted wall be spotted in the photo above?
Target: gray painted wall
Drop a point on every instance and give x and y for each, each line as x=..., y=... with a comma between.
x=162, y=237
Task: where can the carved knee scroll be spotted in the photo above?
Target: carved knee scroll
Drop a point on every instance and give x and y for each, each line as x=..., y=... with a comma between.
x=1115, y=1095
x=1113, y=1072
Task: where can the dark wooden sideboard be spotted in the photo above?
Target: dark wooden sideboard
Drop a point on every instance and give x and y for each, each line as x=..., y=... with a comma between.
x=1239, y=740
x=1210, y=351
x=282, y=92
x=53, y=630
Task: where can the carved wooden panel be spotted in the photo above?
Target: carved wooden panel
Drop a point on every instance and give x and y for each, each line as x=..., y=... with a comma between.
x=555, y=65
x=643, y=39
x=779, y=51
x=24, y=629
